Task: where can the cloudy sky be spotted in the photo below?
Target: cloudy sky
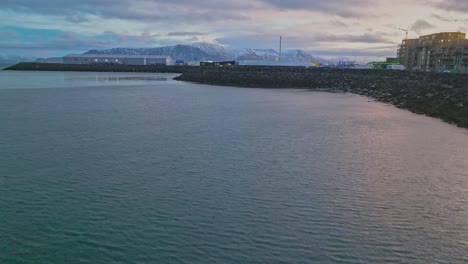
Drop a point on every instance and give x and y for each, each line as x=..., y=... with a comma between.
x=44, y=28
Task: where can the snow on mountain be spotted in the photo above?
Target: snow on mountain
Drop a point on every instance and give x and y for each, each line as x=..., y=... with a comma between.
x=296, y=55
x=301, y=56
x=256, y=54
x=215, y=50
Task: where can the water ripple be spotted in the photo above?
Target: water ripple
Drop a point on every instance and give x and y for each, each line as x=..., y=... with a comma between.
x=181, y=173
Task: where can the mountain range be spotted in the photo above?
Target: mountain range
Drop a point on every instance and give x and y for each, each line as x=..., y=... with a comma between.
x=196, y=52
x=207, y=51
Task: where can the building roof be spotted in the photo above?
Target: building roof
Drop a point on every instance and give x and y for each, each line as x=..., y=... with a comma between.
x=442, y=33
x=94, y=56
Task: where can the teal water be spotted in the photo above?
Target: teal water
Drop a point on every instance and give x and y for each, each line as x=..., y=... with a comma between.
x=138, y=168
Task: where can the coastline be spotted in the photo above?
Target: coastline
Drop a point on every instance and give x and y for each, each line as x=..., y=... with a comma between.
x=439, y=95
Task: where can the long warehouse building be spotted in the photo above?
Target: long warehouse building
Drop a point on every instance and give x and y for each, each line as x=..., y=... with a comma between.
x=117, y=59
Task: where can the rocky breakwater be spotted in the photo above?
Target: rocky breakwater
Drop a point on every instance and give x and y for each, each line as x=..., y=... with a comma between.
x=440, y=95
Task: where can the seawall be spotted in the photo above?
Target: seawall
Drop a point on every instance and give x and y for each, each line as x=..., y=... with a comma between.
x=440, y=95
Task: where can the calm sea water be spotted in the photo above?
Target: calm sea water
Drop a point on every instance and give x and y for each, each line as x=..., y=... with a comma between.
x=138, y=168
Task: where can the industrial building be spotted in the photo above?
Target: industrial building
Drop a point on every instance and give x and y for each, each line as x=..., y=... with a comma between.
x=436, y=52
x=117, y=59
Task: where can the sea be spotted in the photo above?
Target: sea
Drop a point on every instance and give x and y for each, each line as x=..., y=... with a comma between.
x=140, y=168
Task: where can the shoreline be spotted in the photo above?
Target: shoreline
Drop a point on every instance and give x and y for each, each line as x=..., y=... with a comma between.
x=440, y=95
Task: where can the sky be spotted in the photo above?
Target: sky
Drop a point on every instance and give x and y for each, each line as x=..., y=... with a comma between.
x=327, y=28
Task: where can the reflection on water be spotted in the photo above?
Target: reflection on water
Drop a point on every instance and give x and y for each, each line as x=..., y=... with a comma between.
x=78, y=79
x=106, y=78
x=110, y=79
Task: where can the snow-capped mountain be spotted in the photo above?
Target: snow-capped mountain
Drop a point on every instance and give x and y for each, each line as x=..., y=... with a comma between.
x=215, y=52
x=256, y=54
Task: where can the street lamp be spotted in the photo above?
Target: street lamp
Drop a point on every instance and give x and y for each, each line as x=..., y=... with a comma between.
x=458, y=50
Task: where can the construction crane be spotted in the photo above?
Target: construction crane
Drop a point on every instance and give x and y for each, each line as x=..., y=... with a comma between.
x=402, y=29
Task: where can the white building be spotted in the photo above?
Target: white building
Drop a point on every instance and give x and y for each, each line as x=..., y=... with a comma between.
x=117, y=59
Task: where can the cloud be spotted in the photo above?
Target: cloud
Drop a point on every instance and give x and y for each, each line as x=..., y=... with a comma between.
x=342, y=8
x=77, y=18
x=8, y=34
x=421, y=25
x=20, y=33
x=137, y=10
x=448, y=19
x=304, y=24
x=338, y=23
x=330, y=42
x=185, y=33
x=364, y=38
x=439, y=17
x=192, y=39
x=36, y=40
x=386, y=51
x=453, y=5
x=261, y=41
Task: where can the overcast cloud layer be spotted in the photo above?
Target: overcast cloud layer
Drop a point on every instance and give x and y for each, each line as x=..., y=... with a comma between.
x=44, y=28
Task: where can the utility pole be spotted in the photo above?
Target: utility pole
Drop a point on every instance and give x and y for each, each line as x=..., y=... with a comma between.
x=279, y=57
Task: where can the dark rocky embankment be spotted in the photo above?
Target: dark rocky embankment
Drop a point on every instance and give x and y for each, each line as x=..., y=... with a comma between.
x=440, y=95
